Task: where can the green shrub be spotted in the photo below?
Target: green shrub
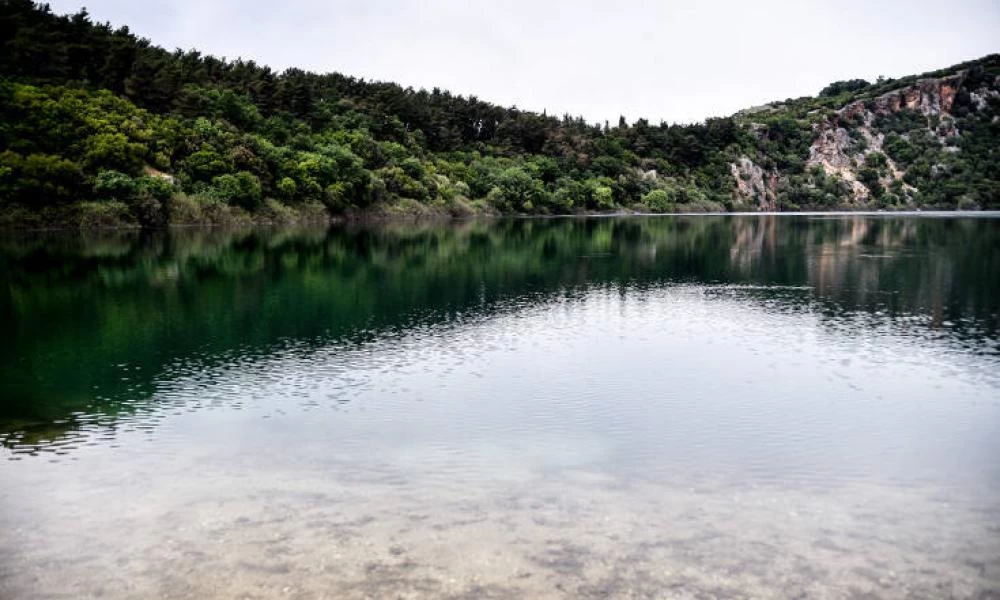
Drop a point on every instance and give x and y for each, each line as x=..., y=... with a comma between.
x=158, y=188
x=603, y=198
x=242, y=189
x=287, y=188
x=104, y=215
x=184, y=210
x=276, y=212
x=658, y=201
x=114, y=185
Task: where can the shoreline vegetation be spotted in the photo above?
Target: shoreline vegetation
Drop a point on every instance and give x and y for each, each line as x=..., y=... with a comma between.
x=120, y=220
x=186, y=212
x=101, y=129
x=104, y=216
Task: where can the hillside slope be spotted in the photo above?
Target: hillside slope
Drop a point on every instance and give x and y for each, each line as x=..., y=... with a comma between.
x=98, y=127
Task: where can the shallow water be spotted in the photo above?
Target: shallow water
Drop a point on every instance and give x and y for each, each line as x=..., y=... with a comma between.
x=663, y=407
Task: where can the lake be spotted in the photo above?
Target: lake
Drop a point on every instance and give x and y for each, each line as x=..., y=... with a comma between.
x=647, y=407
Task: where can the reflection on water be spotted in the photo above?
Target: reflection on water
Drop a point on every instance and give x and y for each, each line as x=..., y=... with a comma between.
x=652, y=407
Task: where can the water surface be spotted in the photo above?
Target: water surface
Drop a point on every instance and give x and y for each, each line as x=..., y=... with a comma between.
x=663, y=407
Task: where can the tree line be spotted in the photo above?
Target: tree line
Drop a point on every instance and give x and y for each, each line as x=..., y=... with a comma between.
x=102, y=126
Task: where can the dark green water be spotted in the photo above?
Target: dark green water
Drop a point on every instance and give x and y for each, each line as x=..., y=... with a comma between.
x=522, y=408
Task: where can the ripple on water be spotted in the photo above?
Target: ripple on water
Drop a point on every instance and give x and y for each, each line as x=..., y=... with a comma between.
x=765, y=424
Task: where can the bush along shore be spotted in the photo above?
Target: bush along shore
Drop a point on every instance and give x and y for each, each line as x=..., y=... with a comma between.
x=100, y=128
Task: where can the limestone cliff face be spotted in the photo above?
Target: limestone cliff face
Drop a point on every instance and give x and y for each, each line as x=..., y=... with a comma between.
x=929, y=97
x=755, y=188
x=839, y=153
x=847, y=162
x=844, y=142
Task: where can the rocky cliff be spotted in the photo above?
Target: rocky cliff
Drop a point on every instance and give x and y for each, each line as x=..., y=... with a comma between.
x=884, y=148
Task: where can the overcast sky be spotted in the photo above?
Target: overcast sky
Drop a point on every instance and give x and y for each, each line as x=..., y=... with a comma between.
x=667, y=60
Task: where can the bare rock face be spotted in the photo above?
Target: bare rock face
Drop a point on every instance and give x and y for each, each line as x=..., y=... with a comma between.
x=848, y=144
x=840, y=153
x=150, y=171
x=929, y=97
x=754, y=186
x=980, y=97
x=834, y=151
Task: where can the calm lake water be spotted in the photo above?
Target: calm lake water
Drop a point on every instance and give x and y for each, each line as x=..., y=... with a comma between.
x=664, y=407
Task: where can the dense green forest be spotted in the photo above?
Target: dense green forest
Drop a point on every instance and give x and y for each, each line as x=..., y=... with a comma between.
x=101, y=128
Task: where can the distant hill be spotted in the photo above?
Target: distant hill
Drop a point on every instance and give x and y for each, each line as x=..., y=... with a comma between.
x=101, y=128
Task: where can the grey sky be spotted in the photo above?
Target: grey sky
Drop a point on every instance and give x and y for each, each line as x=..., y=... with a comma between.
x=675, y=61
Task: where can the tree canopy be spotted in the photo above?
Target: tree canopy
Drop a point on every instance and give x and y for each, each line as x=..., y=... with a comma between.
x=91, y=115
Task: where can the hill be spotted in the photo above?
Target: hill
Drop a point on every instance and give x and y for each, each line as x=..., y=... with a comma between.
x=99, y=127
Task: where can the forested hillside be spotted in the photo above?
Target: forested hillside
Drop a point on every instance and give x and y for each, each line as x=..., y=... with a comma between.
x=99, y=127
